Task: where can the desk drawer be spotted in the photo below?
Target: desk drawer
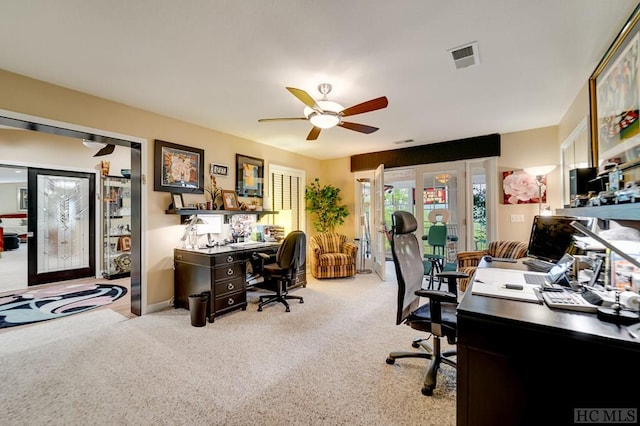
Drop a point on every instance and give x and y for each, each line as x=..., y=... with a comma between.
x=226, y=287
x=227, y=258
x=227, y=272
x=230, y=301
x=192, y=258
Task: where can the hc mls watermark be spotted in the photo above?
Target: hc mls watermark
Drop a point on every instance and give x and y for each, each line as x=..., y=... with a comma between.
x=605, y=415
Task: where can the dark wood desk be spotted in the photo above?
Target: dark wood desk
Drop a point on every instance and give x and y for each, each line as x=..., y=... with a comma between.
x=524, y=363
x=222, y=271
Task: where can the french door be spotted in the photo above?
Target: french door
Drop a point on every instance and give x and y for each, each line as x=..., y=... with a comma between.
x=379, y=224
x=61, y=225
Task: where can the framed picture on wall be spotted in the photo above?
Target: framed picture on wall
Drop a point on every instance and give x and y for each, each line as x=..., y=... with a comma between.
x=178, y=168
x=615, y=104
x=519, y=187
x=23, y=201
x=249, y=176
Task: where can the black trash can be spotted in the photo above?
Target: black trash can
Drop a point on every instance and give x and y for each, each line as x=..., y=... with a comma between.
x=198, y=309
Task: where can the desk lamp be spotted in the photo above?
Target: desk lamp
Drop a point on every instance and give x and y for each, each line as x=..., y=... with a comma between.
x=539, y=172
x=190, y=232
x=615, y=313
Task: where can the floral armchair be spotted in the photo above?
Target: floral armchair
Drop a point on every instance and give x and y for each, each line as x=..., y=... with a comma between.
x=332, y=256
x=468, y=260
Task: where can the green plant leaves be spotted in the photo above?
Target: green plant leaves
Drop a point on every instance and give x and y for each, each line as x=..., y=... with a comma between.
x=324, y=203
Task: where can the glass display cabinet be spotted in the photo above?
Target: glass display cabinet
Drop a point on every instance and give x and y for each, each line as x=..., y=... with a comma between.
x=116, y=226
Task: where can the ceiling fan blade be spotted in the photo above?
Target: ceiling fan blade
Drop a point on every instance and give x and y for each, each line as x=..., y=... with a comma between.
x=314, y=133
x=305, y=98
x=371, y=105
x=281, y=119
x=108, y=149
x=362, y=128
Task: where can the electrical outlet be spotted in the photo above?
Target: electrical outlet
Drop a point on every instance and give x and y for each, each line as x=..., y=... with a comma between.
x=517, y=218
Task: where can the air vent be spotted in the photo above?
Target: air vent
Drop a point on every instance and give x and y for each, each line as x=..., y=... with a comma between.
x=465, y=56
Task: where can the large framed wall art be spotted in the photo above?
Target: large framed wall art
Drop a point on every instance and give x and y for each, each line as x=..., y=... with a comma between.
x=249, y=176
x=614, y=91
x=178, y=168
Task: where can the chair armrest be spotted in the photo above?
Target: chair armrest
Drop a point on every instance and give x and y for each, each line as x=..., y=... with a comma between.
x=350, y=249
x=470, y=258
x=452, y=279
x=442, y=296
x=315, y=247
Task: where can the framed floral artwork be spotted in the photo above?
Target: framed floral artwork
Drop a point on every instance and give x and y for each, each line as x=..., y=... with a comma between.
x=178, y=168
x=520, y=187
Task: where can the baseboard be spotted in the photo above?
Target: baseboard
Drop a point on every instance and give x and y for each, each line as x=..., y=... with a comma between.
x=160, y=306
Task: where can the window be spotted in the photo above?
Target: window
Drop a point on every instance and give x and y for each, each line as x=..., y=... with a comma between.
x=287, y=197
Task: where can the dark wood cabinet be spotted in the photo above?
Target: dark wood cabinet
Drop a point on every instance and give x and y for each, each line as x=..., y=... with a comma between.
x=223, y=273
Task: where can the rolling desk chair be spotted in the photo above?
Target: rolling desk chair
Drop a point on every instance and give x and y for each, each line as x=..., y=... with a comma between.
x=291, y=254
x=437, y=317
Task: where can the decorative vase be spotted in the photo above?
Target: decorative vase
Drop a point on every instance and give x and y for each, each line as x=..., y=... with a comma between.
x=210, y=205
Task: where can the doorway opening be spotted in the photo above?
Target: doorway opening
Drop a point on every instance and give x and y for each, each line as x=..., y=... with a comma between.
x=14, y=121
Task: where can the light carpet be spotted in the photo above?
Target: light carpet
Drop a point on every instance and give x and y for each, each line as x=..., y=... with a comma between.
x=323, y=363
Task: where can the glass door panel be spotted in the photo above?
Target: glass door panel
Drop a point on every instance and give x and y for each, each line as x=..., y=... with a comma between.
x=440, y=193
x=61, y=225
x=479, y=208
x=380, y=226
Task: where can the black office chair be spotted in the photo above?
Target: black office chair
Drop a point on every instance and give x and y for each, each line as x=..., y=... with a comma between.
x=437, y=317
x=291, y=254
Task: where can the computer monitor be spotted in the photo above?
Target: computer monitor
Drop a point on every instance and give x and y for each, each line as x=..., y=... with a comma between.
x=551, y=236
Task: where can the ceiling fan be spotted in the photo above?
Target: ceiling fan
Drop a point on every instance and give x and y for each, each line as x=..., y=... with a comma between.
x=104, y=148
x=324, y=114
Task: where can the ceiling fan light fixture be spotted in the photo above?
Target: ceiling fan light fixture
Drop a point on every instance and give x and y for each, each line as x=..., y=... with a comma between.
x=443, y=177
x=326, y=120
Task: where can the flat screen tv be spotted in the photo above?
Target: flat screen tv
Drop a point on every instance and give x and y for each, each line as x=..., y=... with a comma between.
x=551, y=236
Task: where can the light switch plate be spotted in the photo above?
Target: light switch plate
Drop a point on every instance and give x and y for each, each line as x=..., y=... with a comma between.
x=517, y=218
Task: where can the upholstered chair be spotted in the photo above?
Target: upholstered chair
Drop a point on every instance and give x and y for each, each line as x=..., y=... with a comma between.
x=332, y=256
x=468, y=260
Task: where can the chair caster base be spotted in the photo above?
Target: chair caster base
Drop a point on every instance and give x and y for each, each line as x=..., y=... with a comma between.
x=391, y=361
x=427, y=391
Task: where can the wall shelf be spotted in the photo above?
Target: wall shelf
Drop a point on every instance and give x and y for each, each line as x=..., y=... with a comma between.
x=184, y=214
x=630, y=211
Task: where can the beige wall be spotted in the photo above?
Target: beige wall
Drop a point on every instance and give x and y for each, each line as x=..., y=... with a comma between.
x=529, y=148
x=27, y=96
x=578, y=110
x=337, y=172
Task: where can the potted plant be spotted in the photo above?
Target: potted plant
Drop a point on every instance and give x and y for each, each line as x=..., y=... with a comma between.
x=324, y=203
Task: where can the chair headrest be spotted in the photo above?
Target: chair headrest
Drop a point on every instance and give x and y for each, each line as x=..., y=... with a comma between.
x=404, y=223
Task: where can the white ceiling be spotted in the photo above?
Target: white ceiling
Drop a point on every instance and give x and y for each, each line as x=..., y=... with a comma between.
x=224, y=64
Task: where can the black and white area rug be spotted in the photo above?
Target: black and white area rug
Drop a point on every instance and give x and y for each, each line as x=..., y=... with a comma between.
x=41, y=304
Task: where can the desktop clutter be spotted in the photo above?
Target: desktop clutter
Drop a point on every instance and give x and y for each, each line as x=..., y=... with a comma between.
x=605, y=280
